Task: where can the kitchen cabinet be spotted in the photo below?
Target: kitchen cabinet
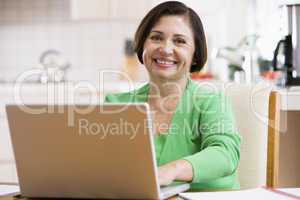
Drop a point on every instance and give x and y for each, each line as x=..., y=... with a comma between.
x=129, y=9
x=109, y=9
x=203, y=7
x=90, y=9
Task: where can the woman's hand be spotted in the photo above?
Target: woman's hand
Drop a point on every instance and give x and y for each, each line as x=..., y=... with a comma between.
x=180, y=170
x=167, y=173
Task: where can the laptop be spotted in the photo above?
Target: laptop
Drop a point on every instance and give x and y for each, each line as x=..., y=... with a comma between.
x=86, y=151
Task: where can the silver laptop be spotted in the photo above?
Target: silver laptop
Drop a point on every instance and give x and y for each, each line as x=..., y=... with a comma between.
x=86, y=151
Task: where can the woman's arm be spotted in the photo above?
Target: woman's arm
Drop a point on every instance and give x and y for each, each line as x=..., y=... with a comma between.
x=220, y=142
x=220, y=145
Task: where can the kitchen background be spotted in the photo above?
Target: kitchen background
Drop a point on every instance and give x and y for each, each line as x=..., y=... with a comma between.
x=91, y=34
x=73, y=40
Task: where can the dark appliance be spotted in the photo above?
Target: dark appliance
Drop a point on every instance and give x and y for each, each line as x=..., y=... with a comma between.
x=287, y=53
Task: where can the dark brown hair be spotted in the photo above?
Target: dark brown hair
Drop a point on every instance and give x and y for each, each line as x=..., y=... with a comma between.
x=173, y=8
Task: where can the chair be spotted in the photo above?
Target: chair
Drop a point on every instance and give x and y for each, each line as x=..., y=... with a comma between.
x=284, y=139
x=250, y=105
x=273, y=140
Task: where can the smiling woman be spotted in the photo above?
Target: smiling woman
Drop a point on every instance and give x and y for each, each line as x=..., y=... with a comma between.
x=169, y=48
x=195, y=136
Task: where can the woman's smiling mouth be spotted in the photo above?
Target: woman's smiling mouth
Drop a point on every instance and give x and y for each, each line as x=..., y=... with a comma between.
x=164, y=63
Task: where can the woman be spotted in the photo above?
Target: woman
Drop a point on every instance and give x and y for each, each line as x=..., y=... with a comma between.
x=195, y=138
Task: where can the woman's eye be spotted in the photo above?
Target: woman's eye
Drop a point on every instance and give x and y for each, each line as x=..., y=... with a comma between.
x=180, y=41
x=155, y=38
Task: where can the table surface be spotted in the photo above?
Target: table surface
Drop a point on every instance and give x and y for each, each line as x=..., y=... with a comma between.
x=294, y=192
x=16, y=197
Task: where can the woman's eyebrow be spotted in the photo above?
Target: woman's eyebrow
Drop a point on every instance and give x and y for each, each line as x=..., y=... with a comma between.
x=180, y=35
x=176, y=35
x=155, y=31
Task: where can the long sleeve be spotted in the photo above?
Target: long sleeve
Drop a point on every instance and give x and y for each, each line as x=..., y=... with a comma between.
x=219, y=154
x=108, y=98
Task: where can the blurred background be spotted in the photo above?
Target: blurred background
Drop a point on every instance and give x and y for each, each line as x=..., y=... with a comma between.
x=70, y=40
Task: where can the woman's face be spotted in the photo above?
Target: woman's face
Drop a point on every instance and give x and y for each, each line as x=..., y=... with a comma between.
x=169, y=48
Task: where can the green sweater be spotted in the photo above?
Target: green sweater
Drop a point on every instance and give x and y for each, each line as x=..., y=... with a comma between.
x=202, y=132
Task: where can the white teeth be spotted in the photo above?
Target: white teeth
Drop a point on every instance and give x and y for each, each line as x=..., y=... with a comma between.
x=164, y=62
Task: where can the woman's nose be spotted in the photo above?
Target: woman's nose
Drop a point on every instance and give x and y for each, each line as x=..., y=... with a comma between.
x=167, y=48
